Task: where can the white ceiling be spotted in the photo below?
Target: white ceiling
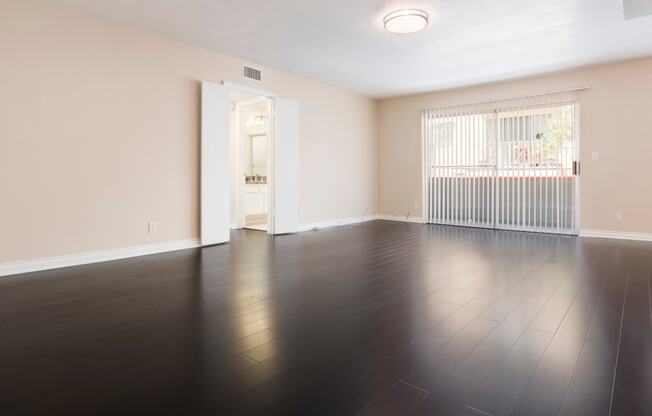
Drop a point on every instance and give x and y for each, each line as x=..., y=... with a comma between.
x=343, y=43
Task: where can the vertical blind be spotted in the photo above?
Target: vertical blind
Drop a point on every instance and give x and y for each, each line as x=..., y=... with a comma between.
x=504, y=164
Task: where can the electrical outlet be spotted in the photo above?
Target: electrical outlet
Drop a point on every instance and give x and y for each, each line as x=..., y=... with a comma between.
x=618, y=216
x=595, y=156
x=152, y=227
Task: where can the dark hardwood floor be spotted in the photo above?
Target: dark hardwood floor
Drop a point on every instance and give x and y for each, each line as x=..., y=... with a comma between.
x=380, y=318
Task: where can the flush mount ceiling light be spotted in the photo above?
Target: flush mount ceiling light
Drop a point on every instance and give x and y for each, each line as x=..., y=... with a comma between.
x=406, y=21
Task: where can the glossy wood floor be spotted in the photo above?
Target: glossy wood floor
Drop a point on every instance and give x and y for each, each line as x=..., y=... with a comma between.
x=381, y=318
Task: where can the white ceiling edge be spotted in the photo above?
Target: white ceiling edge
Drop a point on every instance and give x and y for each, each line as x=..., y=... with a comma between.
x=514, y=76
x=466, y=83
x=554, y=36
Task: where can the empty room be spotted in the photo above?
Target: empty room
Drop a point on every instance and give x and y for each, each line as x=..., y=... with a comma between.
x=303, y=207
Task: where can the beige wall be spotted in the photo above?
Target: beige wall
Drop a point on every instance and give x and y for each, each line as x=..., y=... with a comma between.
x=615, y=117
x=99, y=134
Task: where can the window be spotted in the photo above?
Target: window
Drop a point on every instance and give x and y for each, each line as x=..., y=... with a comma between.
x=502, y=166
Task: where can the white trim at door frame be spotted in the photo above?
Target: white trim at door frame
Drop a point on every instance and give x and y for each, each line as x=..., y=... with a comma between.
x=578, y=157
x=249, y=90
x=270, y=98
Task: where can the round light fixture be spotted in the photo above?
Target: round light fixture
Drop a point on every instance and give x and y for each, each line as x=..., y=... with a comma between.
x=406, y=21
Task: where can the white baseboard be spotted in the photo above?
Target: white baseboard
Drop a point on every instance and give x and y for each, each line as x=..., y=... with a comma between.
x=621, y=235
x=26, y=266
x=335, y=223
x=35, y=265
x=47, y=263
x=418, y=220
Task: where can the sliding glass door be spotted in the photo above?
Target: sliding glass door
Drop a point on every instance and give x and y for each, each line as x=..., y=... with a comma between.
x=502, y=165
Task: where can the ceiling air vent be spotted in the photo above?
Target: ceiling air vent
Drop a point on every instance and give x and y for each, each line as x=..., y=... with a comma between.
x=249, y=72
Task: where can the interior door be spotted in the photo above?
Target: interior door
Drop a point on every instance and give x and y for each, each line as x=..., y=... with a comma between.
x=284, y=168
x=215, y=191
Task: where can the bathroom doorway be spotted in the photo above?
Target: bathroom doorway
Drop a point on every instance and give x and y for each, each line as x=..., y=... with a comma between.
x=250, y=131
x=234, y=144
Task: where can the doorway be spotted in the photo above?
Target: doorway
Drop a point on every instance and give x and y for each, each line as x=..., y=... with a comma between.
x=263, y=157
x=250, y=160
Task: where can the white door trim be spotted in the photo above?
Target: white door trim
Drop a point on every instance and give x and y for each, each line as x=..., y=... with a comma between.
x=248, y=90
x=271, y=133
x=578, y=177
x=271, y=136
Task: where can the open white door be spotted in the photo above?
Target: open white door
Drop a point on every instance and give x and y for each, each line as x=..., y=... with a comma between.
x=285, y=168
x=215, y=191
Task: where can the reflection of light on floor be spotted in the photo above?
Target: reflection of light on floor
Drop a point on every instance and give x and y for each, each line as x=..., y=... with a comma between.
x=250, y=327
x=251, y=290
